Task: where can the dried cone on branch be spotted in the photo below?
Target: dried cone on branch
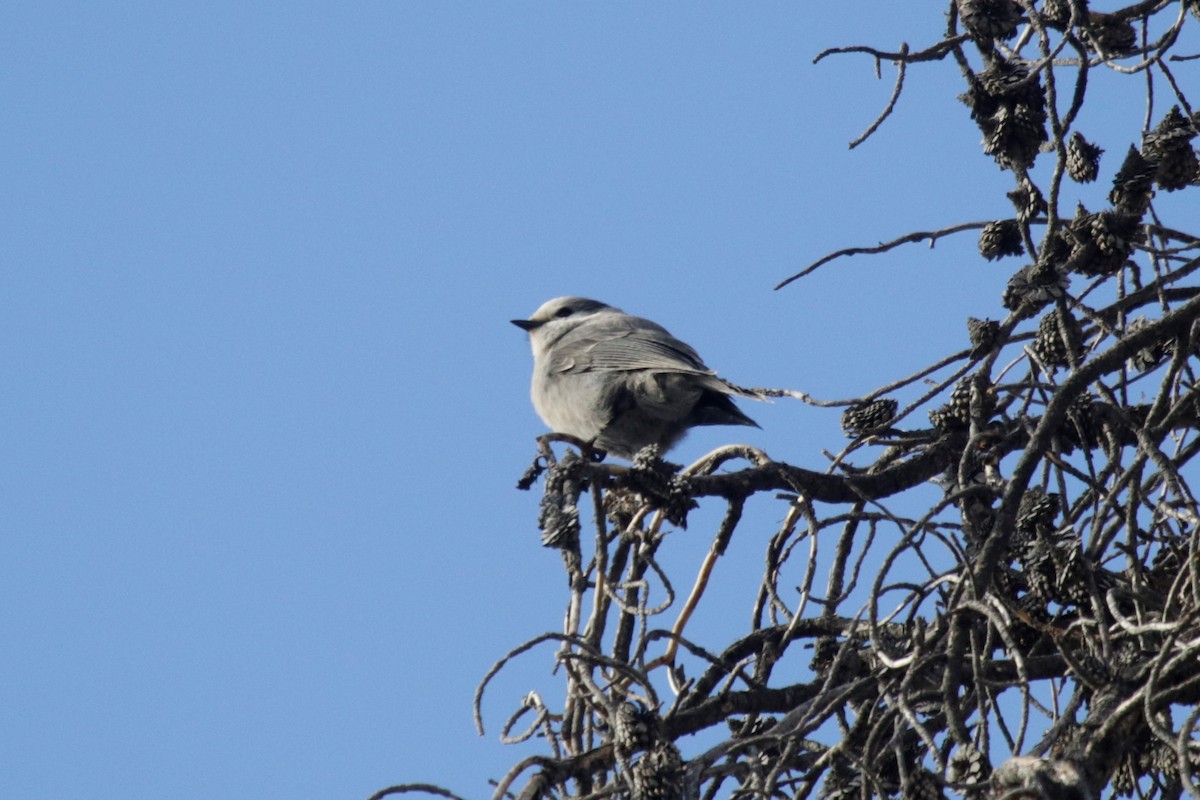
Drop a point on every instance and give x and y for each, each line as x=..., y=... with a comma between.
x=1000, y=238
x=1037, y=512
x=1169, y=147
x=1051, y=344
x=1037, y=568
x=1080, y=428
x=1028, y=200
x=1034, y=285
x=1143, y=759
x=923, y=785
x=1014, y=134
x=559, y=516
x=1132, y=188
x=634, y=728
x=1083, y=159
x=870, y=417
x=1075, y=576
x=967, y=765
x=957, y=412
x=989, y=19
x=1057, y=13
x=1057, y=249
x=1010, y=109
x=1102, y=241
x=983, y=333
x=1109, y=34
x=658, y=775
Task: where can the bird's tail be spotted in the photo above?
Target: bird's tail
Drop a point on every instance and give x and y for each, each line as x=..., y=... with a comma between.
x=718, y=408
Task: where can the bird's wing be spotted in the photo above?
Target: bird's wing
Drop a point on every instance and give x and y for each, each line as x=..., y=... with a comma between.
x=618, y=346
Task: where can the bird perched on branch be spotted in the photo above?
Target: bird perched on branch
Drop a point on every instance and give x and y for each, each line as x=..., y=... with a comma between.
x=621, y=382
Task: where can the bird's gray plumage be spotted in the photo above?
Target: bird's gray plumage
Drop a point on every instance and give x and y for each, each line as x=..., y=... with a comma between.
x=619, y=381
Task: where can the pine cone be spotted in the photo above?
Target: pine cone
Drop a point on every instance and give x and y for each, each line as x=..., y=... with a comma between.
x=1127, y=654
x=1038, y=568
x=1008, y=83
x=1083, y=159
x=634, y=728
x=1114, y=233
x=1162, y=759
x=1071, y=580
x=989, y=19
x=1010, y=109
x=1109, y=34
x=1169, y=146
x=1050, y=345
x=983, y=333
x=1032, y=286
x=1123, y=779
x=960, y=400
x=558, y=518
x=957, y=412
x=1132, y=188
x=1080, y=428
x=658, y=482
x=1037, y=511
x=1014, y=135
x=1103, y=241
x=658, y=775
x=967, y=765
x=1000, y=238
x=1057, y=249
x=1057, y=13
x=1028, y=200
x=923, y=785
x=1180, y=170
x=869, y=417
x=944, y=419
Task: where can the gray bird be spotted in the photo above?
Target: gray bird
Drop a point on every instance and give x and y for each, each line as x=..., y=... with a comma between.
x=621, y=382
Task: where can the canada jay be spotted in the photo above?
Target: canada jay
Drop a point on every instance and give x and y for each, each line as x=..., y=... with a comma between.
x=621, y=382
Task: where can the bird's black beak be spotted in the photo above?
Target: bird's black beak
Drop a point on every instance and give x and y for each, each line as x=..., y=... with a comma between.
x=526, y=324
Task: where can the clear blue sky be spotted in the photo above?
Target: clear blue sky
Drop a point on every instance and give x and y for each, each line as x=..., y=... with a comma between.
x=262, y=407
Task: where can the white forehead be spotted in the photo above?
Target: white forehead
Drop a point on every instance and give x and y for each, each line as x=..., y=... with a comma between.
x=551, y=308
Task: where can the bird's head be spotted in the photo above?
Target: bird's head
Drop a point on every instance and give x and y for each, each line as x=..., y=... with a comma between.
x=555, y=317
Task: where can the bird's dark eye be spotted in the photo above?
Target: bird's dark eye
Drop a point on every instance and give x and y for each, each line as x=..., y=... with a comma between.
x=564, y=312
